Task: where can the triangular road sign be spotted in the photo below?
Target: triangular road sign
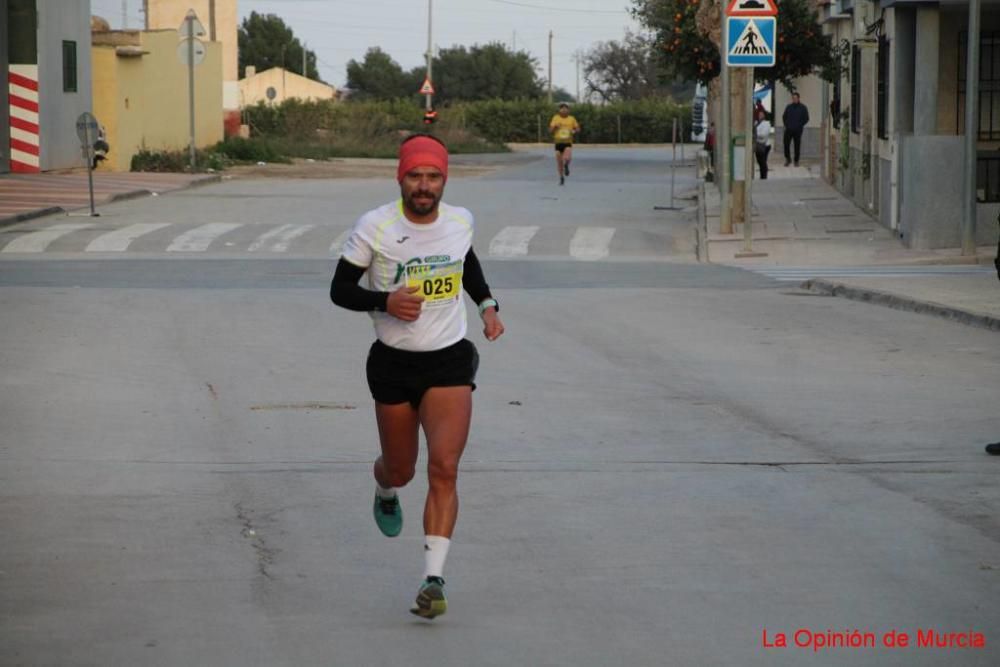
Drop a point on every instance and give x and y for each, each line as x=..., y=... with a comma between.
x=427, y=88
x=751, y=42
x=752, y=8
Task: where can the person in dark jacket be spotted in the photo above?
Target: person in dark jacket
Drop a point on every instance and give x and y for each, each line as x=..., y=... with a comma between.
x=795, y=119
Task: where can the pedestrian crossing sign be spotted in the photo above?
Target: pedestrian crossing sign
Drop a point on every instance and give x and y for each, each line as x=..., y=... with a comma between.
x=751, y=41
x=427, y=88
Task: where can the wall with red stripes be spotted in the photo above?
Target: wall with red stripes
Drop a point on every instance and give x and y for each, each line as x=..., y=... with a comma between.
x=25, y=142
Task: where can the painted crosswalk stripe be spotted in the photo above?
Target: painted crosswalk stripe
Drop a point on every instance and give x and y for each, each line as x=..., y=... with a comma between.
x=40, y=240
x=512, y=241
x=199, y=238
x=120, y=239
x=278, y=240
x=339, y=242
x=799, y=274
x=590, y=243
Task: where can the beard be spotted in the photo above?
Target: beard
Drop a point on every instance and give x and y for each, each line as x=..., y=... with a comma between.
x=421, y=208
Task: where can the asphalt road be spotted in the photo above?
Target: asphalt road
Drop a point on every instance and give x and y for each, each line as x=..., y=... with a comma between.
x=668, y=459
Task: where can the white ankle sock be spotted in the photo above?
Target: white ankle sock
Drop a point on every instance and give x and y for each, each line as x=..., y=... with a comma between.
x=435, y=553
x=385, y=494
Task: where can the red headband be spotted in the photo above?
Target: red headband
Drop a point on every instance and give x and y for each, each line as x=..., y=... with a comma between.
x=422, y=152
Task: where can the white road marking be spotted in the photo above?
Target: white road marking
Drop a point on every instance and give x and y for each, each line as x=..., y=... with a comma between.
x=278, y=240
x=512, y=241
x=40, y=240
x=590, y=243
x=339, y=242
x=199, y=238
x=120, y=239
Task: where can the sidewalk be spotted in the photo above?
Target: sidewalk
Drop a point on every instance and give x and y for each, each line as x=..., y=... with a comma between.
x=27, y=196
x=809, y=234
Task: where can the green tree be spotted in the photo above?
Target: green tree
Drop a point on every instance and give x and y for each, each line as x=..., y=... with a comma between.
x=691, y=54
x=482, y=72
x=379, y=77
x=265, y=42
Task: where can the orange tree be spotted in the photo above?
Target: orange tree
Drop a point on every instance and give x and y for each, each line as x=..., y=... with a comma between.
x=691, y=54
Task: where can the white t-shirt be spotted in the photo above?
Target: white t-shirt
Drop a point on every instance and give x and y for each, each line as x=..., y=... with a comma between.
x=430, y=256
x=764, y=132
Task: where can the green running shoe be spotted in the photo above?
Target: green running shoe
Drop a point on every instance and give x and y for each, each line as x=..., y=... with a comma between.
x=430, y=599
x=388, y=515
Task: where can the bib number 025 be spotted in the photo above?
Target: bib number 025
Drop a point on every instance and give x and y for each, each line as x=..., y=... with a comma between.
x=437, y=283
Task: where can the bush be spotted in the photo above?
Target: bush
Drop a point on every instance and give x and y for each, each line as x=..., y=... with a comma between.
x=238, y=149
x=176, y=161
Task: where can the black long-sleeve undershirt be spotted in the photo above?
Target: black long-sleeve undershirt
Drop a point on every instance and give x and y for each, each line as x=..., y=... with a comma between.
x=347, y=293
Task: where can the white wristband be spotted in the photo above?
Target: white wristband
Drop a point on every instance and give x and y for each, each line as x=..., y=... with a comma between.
x=487, y=303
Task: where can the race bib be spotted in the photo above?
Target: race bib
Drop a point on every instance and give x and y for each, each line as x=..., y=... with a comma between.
x=439, y=284
x=564, y=134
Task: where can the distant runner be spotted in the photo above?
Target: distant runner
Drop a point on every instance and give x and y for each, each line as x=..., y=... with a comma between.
x=563, y=128
x=416, y=254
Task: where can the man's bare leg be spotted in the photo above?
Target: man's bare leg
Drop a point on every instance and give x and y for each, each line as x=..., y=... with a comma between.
x=559, y=166
x=445, y=413
x=398, y=435
x=567, y=156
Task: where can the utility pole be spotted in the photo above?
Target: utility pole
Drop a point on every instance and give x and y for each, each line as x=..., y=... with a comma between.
x=304, y=60
x=577, y=58
x=124, y=14
x=971, y=132
x=430, y=50
x=145, y=13
x=211, y=20
x=550, y=67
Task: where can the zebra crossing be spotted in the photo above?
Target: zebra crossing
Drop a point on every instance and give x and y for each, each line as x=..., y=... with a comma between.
x=584, y=243
x=799, y=274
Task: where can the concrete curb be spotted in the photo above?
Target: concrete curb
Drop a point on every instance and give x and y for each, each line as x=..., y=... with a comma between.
x=898, y=302
x=30, y=215
x=112, y=198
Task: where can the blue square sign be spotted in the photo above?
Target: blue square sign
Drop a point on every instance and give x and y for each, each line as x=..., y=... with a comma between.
x=751, y=41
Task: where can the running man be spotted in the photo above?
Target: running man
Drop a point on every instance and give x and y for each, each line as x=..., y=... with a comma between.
x=417, y=255
x=563, y=128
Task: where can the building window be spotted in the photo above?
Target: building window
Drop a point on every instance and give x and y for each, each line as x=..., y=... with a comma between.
x=855, y=89
x=69, y=66
x=988, y=177
x=989, y=85
x=883, y=88
x=23, y=32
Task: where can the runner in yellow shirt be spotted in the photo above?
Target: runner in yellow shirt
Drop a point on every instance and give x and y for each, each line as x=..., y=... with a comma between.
x=563, y=128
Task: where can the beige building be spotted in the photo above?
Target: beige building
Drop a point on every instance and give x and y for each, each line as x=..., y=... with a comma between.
x=140, y=93
x=220, y=18
x=283, y=85
x=896, y=116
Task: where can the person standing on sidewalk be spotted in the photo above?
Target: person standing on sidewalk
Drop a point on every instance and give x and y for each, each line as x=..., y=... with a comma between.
x=795, y=119
x=762, y=142
x=417, y=255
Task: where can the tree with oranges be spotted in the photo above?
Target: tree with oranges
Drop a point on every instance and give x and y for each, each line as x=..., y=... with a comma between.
x=689, y=47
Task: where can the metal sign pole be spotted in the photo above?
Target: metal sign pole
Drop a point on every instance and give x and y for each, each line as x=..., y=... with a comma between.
x=750, y=146
x=90, y=169
x=190, y=30
x=723, y=140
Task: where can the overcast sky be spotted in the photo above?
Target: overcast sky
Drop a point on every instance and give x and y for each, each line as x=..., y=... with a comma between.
x=339, y=30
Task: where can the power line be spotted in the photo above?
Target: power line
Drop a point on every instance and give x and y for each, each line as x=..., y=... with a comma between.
x=560, y=9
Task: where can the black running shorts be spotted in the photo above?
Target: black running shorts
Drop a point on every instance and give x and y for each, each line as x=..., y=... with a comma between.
x=561, y=147
x=400, y=376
